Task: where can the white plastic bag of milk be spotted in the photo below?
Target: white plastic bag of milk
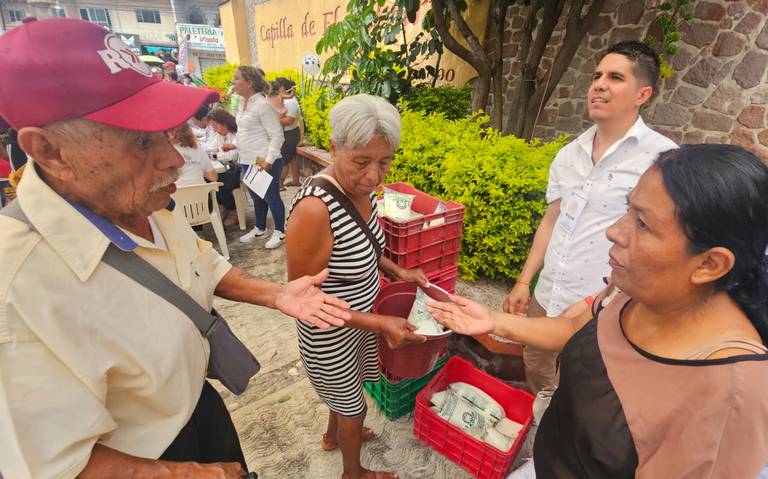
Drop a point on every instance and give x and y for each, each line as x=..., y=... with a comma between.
x=397, y=205
x=420, y=318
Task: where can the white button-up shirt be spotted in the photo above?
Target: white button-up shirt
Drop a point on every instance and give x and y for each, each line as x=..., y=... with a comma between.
x=576, y=260
x=259, y=133
x=216, y=141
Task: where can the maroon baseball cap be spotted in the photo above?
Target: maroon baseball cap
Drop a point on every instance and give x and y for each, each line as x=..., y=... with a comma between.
x=63, y=68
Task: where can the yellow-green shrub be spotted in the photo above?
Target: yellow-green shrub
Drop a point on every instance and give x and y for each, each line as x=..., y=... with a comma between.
x=220, y=76
x=501, y=181
x=288, y=73
x=315, y=106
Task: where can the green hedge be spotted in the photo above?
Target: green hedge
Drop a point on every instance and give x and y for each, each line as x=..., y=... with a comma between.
x=501, y=181
x=220, y=76
x=315, y=106
x=452, y=101
x=288, y=73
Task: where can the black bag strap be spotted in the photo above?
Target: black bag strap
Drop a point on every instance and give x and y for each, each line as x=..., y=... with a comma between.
x=131, y=265
x=346, y=203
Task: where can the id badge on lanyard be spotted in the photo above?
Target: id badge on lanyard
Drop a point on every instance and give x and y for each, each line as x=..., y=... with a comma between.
x=573, y=209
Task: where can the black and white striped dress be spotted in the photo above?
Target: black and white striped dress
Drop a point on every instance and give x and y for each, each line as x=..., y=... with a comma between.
x=339, y=360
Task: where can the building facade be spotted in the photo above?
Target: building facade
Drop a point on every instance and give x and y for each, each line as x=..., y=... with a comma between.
x=148, y=26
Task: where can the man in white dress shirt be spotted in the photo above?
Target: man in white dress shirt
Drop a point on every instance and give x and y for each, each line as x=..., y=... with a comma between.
x=588, y=183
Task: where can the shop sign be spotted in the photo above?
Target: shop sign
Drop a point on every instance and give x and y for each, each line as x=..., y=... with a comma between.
x=201, y=37
x=131, y=40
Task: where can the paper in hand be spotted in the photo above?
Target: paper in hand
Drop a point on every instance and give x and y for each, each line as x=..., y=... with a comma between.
x=257, y=180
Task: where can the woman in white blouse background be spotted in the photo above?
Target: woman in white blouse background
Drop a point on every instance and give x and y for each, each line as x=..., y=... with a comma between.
x=259, y=139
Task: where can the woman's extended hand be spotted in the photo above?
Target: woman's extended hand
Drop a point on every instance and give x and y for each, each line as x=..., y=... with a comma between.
x=303, y=299
x=228, y=147
x=463, y=316
x=398, y=332
x=415, y=275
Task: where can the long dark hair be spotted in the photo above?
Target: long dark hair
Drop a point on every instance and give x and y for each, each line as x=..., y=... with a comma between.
x=721, y=199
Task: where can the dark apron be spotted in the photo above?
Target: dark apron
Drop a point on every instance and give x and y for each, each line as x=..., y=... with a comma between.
x=209, y=436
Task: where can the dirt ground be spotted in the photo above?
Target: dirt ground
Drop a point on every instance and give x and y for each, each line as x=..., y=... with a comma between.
x=279, y=418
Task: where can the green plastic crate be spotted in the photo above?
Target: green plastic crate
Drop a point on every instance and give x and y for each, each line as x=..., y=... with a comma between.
x=398, y=399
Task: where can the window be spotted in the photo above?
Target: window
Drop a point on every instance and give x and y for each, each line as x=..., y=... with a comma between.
x=16, y=15
x=59, y=12
x=99, y=16
x=148, y=16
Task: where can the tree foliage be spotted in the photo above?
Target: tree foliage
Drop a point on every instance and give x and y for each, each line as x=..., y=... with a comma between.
x=371, y=50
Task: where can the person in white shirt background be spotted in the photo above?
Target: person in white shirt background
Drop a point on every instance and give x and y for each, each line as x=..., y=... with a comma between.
x=259, y=138
x=223, y=131
x=199, y=125
x=291, y=122
x=197, y=166
x=589, y=180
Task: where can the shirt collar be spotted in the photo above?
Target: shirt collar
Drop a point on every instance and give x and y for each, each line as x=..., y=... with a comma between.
x=636, y=131
x=78, y=235
x=114, y=234
x=120, y=238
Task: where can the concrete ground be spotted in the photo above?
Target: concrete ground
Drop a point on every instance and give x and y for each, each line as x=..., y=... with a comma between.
x=280, y=419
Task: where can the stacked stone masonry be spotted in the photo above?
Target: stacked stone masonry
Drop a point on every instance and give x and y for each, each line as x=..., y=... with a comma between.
x=717, y=93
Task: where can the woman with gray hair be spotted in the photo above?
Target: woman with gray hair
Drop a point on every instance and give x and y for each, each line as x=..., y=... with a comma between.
x=334, y=224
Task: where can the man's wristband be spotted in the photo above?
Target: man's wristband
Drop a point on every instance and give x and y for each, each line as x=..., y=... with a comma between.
x=527, y=283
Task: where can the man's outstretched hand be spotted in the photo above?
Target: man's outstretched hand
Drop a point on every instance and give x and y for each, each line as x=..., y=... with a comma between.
x=303, y=299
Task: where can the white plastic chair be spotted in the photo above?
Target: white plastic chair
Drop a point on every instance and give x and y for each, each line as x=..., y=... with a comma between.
x=192, y=202
x=241, y=200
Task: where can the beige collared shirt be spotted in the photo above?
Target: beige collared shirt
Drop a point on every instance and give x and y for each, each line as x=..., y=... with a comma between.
x=86, y=354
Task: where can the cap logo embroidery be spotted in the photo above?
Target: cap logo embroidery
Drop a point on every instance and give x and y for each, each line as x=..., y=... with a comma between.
x=118, y=57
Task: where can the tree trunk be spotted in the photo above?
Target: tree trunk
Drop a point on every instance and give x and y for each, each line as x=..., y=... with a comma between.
x=533, y=93
x=498, y=65
x=576, y=28
x=475, y=55
x=531, y=52
x=481, y=92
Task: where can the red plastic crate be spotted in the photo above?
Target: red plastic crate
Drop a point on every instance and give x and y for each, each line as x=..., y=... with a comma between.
x=407, y=236
x=432, y=256
x=429, y=266
x=482, y=460
x=445, y=278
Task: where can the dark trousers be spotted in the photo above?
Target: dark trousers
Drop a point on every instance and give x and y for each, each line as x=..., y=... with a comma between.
x=231, y=180
x=288, y=150
x=272, y=201
x=209, y=436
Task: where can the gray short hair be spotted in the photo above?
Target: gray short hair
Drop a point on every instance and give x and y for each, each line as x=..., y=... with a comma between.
x=357, y=119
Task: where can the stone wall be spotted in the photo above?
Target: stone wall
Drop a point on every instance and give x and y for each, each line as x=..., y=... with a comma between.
x=717, y=92
x=250, y=10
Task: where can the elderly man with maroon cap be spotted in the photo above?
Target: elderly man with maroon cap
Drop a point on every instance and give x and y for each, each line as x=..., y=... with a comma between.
x=100, y=376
